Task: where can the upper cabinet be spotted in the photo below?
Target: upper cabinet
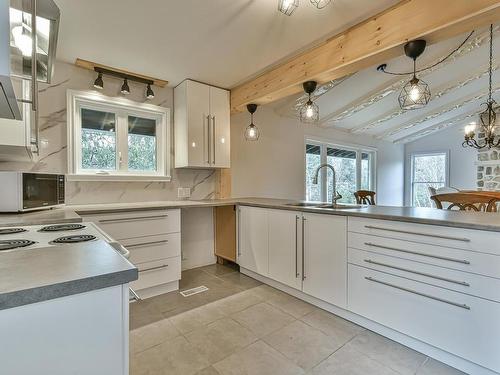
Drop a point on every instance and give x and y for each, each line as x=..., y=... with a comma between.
x=202, y=126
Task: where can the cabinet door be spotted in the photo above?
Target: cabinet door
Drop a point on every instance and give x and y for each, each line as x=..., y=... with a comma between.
x=253, y=239
x=285, y=261
x=325, y=258
x=220, y=135
x=198, y=112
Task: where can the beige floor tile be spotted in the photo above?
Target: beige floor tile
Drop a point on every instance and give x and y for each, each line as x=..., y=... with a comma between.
x=433, y=367
x=334, y=326
x=302, y=344
x=238, y=302
x=150, y=335
x=197, y=318
x=240, y=280
x=257, y=359
x=220, y=339
x=347, y=361
x=265, y=292
x=174, y=357
x=291, y=305
x=220, y=269
x=396, y=356
x=263, y=319
x=208, y=371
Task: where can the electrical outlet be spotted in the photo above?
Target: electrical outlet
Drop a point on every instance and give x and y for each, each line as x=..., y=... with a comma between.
x=183, y=192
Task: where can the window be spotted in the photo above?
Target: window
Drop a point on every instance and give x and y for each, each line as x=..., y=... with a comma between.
x=427, y=170
x=116, y=139
x=354, y=169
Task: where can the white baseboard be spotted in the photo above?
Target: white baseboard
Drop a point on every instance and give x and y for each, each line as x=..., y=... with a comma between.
x=422, y=347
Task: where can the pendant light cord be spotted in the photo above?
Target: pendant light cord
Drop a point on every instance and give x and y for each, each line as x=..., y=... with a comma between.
x=491, y=63
x=382, y=67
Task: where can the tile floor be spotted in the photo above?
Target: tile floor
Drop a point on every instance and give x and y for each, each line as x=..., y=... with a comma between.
x=240, y=326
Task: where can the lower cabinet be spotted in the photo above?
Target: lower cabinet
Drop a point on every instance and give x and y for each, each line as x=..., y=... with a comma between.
x=325, y=258
x=307, y=252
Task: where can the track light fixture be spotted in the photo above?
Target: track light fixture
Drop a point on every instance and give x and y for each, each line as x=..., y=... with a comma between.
x=125, y=90
x=309, y=112
x=252, y=132
x=149, y=92
x=288, y=6
x=98, y=83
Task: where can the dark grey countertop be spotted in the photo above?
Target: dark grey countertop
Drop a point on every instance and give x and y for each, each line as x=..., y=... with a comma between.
x=40, y=274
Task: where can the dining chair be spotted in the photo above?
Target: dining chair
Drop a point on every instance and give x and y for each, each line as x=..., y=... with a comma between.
x=467, y=202
x=365, y=197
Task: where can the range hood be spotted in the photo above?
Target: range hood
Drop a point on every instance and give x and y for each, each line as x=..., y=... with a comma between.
x=16, y=52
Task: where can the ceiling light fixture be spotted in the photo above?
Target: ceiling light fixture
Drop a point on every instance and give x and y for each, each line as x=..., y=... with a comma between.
x=415, y=94
x=99, y=83
x=309, y=112
x=252, y=132
x=320, y=4
x=150, y=93
x=288, y=6
x=125, y=90
x=487, y=118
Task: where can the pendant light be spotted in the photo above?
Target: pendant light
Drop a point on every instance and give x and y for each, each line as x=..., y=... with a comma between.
x=487, y=118
x=288, y=6
x=125, y=90
x=252, y=132
x=415, y=94
x=320, y=4
x=309, y=112
x=99, y=83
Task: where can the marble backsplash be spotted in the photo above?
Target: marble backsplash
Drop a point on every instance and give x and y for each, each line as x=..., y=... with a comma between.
x=53, y=155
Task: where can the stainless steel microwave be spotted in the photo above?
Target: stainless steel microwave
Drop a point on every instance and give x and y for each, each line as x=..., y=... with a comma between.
x=27, y=191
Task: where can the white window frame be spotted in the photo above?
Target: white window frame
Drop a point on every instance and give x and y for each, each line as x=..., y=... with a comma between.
x=414, y=155
x=324, y=144
x=76, y=100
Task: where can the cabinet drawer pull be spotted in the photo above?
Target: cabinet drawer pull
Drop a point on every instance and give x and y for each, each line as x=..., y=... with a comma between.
x=154, y=268
x=418, y=233
x=296, y=246
x=133, y=295
x=461, y=305
x=148, y=243
x=417, y=272
x=303, y=248
x=418, y=253
x=138, y=218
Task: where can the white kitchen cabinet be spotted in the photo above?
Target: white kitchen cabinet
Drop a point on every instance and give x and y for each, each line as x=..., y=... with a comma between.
x=202, y=126
x=325, y=258
x=285, y=254
x=253, y=245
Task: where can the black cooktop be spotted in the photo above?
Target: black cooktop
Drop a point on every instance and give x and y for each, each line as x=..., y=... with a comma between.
x=61, y=227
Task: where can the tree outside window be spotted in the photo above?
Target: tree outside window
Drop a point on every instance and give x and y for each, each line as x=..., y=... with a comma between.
x=428, y=170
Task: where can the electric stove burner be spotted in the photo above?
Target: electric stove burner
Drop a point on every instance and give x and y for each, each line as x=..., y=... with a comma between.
x=12, y=230
x=14, y=244
x=61, y=227
x=75, y=238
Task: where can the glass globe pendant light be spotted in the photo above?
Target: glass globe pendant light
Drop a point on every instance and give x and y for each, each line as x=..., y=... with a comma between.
x=416, y=93
x=309, y=112
x=320, y=4
x=252, y=132
x=288, y=6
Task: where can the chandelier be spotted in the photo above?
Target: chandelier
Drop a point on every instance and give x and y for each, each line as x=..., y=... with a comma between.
x=487, y=118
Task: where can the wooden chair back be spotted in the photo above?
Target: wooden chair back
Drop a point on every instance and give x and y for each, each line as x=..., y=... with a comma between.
x=365, y=197
x=467, y=201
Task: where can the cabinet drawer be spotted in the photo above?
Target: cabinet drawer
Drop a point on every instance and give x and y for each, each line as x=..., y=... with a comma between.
x=459, y=238
x=157, y=273
x=468, y=261
x=464, y=282
x=460, y=324
x=147, y=249
x=139, y=223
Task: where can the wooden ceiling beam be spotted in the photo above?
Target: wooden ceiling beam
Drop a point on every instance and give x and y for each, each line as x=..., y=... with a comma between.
x=366, y=44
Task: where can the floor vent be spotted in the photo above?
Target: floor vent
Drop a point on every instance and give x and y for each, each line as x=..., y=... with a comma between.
x=193, y=291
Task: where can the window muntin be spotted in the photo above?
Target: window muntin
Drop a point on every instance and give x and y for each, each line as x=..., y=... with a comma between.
x=427, y=170
x=354, y=167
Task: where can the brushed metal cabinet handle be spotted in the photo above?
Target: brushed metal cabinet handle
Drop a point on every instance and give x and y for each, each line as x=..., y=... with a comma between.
x=296, y=246
x=303, y=248
x=213, y=139
x=417, y=272
x=462, y=261
x=138, y=218
x=135, y=296
x=239, y=232
x=208, y=140
x=418, y=233
x=461, y=305
x=154, y=268
x=148, y=243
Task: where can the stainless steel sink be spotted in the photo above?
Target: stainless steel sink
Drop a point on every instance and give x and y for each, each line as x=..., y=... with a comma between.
x=305, y=204
x=340, y=206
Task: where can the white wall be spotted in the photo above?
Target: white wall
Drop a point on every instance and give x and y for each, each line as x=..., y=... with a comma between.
x=274, y=166
x=462, y=168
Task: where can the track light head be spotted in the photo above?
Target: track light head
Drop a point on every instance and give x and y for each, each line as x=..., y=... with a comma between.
x=125, y=90
x=99, y=83
x=149, y=92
